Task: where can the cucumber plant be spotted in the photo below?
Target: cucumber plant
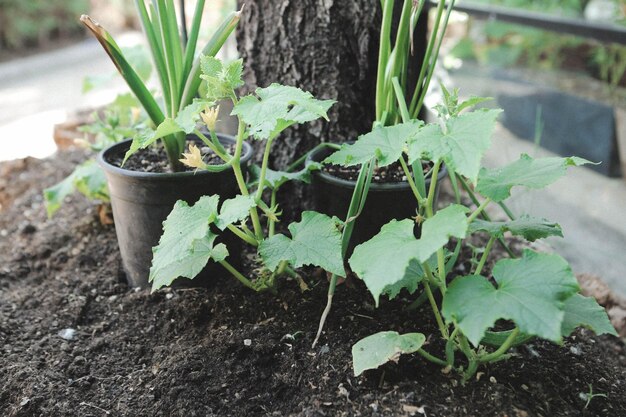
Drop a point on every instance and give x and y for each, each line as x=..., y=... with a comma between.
x=395, y=57
x=536, y=294
x=189, y=232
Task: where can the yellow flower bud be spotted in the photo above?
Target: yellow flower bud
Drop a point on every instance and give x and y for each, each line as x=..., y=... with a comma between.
x=209, y=116
x=135, y=112
x=193, y=158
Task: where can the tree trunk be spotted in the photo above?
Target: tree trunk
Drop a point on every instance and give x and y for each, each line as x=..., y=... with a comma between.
x=327, y=47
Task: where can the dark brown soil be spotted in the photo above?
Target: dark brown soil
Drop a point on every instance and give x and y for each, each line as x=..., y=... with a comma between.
x=388, y=174
x=154, y=158
x=226, y=351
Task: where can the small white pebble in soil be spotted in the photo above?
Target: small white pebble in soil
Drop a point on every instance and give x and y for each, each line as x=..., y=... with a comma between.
x=493, y=380
x=575, y=350
x=247, y=342
x=67, y=334
x=525, y=387
x=169, y=295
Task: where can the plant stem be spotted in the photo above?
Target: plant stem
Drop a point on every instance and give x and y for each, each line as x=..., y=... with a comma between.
x=266, y=159
x=455, y=185
x=245, y=281
x=484, y=215
x=252, y=241
x=329, y=303
x=480, y=208
x=433, y=305
x=502, y=349
x=431, y=190
x=441, y=269
x=254, y=214
x=483, y=258
x=450, y=347
x=506, y=210
x=271, y=222
x=211, y=145
x=409, y=178
x=432, y=358
x=303, y=158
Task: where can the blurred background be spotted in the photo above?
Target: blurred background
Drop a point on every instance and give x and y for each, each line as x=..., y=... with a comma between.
x=557, y=68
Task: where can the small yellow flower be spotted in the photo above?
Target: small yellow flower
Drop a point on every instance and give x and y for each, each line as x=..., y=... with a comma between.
x=82, y=143
x=135, y=112
x=209, y=116
x=193, y=158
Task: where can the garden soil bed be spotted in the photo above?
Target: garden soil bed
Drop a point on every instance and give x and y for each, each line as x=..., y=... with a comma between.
x=225, y=351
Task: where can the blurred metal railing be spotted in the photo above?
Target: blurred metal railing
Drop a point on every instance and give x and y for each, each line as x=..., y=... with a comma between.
x=604, y=32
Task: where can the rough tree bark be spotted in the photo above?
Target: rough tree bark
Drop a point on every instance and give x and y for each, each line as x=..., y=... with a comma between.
x=327, y=47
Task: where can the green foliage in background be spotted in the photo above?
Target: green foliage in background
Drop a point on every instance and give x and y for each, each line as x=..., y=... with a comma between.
x=31, y=23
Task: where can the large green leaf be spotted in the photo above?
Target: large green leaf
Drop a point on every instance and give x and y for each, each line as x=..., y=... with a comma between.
x=529, y=228
x=277, y=107
x=386, y=144
x=188, y=117
x=526, y=171
x=221, y=79
x=391, y=258
x=380, y=348
x=531, y=291
x=234, y=210
x=88, y=178
x=461, y=146
x=185, y=246
x=315, y=240
x=275, y=179
x=585, y=312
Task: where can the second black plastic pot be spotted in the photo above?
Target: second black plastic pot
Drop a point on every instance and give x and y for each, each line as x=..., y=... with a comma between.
x=385, y=201
x=141, y=202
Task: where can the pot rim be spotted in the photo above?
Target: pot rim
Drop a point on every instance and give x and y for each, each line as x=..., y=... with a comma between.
x=374, y=186
x=247, y=152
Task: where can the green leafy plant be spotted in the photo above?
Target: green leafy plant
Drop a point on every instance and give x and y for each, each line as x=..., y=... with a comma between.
x=534, y=295
x=589, y=396
x=611, y=62
x=115, y=123
x=175, y=62
x=396, y=101
x=190, y=232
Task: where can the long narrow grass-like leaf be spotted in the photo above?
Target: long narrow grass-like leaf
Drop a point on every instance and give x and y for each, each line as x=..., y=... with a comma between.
x=435, y=56
x=128, y=73
x=383, y=56
x=190, y=48
x=155, y=48
x=210, y=49
x=419, y=85
x=402, y=42
x=161, y=18
x=176, y=41
x=404, y=111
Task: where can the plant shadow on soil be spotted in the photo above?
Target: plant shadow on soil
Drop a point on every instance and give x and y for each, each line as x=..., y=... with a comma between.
x=227, y=351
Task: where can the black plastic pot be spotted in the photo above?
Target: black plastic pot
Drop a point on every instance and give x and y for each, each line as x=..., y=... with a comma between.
x=385, y=201
x=141, y=202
